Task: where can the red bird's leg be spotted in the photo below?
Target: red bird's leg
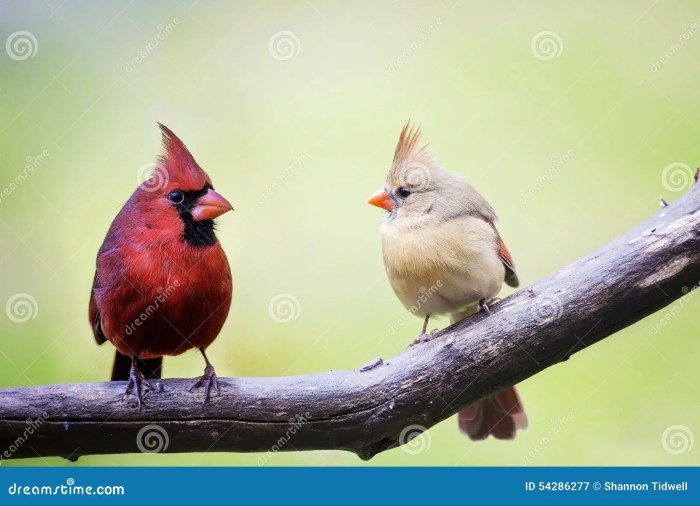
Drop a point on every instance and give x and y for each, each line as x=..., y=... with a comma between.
x=208, y=379
x=136, y=383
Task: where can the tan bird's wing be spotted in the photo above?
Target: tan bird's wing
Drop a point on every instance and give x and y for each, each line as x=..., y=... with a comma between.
x=511, y=277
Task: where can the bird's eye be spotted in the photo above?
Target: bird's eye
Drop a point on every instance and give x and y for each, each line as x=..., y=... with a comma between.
x=176, y=197
x=403, y=192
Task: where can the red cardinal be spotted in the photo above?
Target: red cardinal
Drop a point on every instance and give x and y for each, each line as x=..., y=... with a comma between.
x=163, y=284
x=443, y=255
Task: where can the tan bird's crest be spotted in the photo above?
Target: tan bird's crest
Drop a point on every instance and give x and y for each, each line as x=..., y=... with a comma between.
x=408, y=143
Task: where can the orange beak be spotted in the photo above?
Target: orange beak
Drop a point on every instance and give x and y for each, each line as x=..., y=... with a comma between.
x=209, y=206
x=381, y=198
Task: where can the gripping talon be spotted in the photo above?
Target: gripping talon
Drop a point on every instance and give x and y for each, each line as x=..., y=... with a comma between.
x=424, y=337
x=136, y=385
x=483, y=307
x=208, y=380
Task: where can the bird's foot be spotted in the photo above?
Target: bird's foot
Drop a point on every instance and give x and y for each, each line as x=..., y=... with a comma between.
x=483, y=306
x=424, y=337
x=136, y=385
x=208, y=380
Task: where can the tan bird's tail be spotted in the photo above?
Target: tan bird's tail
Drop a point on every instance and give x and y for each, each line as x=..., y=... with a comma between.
x=500, y=415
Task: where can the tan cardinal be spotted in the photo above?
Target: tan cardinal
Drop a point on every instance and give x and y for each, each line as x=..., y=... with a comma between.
x=443, y=255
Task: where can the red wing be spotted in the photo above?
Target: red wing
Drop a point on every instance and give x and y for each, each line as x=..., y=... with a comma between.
x=95, y=316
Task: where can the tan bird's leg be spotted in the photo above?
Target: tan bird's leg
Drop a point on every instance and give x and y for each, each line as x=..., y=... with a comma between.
x=423, y=337
x=482, y=306
x=425, y=325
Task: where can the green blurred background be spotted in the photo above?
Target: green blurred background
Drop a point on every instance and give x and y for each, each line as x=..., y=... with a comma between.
x=563, y=114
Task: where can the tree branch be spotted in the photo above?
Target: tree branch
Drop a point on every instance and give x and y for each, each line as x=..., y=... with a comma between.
x=366, y=412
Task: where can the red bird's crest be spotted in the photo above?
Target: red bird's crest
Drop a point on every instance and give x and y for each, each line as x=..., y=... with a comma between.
x=176, y=167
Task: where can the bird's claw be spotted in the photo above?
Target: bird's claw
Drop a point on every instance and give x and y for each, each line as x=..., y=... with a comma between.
x=209, y=380
x=424, y=338
x=483, y=307
x=136, y=385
